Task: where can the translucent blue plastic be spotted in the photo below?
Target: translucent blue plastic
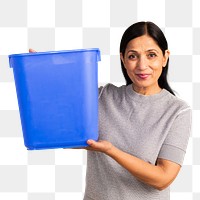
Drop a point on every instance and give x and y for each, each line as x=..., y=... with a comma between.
x=57, y=95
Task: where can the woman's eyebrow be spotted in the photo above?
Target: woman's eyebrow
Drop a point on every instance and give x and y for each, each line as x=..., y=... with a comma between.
x=134, y=51
x=152, y=50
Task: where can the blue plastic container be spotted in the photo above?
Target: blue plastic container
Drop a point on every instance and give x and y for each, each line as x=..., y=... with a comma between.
x=57, y=95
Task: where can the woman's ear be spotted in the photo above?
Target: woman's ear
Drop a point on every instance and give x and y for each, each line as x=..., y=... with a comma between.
x=166, y=57
x=122, y=59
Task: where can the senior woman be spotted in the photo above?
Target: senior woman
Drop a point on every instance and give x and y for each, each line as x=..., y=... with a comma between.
x=143, y=127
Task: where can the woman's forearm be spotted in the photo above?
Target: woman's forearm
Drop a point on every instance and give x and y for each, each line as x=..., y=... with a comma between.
x=158, y=176
x=143, y=171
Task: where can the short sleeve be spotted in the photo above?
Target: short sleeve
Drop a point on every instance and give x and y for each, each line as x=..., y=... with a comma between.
x=101, y=88
x=175, y=144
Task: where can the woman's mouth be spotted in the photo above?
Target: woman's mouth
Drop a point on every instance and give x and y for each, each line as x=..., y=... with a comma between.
x=143, y=76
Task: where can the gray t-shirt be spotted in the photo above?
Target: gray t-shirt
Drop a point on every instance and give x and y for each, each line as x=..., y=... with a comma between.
x=148, y=127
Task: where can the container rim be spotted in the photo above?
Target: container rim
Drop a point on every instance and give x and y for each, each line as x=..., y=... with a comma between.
x=55, y=52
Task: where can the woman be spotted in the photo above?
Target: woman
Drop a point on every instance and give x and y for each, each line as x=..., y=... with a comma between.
x=143, y=127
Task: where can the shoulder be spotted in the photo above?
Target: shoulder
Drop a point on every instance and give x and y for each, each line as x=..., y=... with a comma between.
x=177, y=103
x=111, y=90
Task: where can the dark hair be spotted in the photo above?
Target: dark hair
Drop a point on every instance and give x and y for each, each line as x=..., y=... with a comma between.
x=142, y=28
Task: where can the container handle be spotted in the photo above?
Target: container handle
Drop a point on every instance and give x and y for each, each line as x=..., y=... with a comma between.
x=10, y=62
x=98, y=55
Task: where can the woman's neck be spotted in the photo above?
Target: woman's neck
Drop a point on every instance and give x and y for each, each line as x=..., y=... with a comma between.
x=146, y=90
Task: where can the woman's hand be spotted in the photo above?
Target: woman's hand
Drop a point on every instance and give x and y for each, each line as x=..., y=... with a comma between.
x=101, y=146
x=32, y=51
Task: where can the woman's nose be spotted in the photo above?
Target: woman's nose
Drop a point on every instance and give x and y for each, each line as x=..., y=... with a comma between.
x=142, y=63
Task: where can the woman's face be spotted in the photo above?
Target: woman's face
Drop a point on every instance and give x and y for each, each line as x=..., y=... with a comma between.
x=144, y=60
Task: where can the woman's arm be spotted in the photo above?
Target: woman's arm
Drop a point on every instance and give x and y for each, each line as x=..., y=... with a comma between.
x=158, y=176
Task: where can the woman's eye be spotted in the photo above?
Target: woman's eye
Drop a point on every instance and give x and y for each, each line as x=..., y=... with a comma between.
x=152, y=55
x=132, y=56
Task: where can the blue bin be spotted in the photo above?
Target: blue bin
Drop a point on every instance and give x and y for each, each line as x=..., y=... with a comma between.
x=57, y=95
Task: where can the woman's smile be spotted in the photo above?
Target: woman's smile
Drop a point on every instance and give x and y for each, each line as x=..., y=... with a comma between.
x=143, y=76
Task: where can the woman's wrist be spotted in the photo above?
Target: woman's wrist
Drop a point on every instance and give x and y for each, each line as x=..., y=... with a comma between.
x=111, y=150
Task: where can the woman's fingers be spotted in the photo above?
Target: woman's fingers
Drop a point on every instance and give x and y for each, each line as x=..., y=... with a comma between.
x=101, y=145
x=32, y=51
